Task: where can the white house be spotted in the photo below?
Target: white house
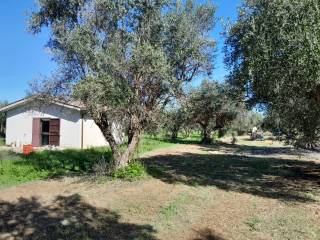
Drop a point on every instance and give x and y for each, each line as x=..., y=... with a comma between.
x=30, y=121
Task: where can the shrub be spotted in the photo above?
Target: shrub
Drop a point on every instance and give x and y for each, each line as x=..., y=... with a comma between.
x=69, y=160
x=103, y=167
x=134, y=170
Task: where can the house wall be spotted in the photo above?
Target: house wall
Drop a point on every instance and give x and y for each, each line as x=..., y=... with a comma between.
x=92, y=136
x=19, y=124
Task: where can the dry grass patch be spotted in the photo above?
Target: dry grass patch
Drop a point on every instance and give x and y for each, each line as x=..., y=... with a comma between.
x=195, y=192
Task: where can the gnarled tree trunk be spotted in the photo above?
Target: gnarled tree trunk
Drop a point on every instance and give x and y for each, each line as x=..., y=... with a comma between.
x=121, y=158
x=174, y=136
x=206, y=133
x=174, y=133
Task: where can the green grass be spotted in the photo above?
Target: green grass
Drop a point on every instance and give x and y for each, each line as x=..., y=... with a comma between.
x=17, y=169
x=174, y=208
x=148, y=144
x=2, y=141
x=133, y=171
x=253, y=223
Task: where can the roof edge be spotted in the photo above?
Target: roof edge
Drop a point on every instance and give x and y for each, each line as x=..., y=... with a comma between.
x=23, y=101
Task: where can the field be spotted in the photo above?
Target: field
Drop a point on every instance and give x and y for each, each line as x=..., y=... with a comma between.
x=249, y=190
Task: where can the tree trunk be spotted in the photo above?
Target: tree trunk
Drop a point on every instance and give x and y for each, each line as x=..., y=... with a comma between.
x=130, y=134
x=174, y=134
x=206, y=134
x=123, y=159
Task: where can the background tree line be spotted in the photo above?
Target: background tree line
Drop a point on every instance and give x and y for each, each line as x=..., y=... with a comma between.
x=209, y=109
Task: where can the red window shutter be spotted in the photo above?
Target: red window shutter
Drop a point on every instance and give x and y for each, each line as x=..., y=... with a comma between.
x=36, y=132
x=54, y=126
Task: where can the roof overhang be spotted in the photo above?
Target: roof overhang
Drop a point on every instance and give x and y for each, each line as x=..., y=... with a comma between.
x=45, y=102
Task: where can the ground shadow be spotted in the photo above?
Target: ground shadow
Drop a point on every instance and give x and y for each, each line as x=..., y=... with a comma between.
x=254, y=150
x=68, y=218
x=208, y=234
x=288, y=180
x=237, y=148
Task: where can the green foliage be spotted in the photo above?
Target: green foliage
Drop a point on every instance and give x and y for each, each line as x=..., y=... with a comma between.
x=273, y=53
x=2, y=141
x=125, y=59
x=212, y=107
x=245, y=121
x=174, y=119
x=135, y=170
x=15, y=169
x=68, y=161
x=2, y=120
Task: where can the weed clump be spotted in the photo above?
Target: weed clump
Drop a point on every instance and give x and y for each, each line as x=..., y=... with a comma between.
x=135, y=170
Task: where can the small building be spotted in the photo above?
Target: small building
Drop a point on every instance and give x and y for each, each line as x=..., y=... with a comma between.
x=61, y=124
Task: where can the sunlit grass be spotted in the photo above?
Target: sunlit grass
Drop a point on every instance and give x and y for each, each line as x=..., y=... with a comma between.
x=17, y=169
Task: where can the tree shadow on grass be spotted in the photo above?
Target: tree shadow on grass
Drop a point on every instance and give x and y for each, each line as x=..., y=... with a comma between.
x=238, y=148
x=67, y=218
x=287, y=180
x=208, y=234
x=255, y=150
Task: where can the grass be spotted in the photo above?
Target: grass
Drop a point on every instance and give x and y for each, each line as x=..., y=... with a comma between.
x=199, y=192
x=174, y=207
x=134, y=171
x=2, y=141
x=17, y=169
x=253, y=223
x=149, y=143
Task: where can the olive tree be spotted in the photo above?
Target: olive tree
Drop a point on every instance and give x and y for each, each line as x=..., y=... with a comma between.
x=123, y=59
x=2, y=119
x=246, y=121
x=212, y=107
x=174, y=119
x=273, y=54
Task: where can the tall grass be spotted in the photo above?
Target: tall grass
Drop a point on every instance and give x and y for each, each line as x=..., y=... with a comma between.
x=15, y=168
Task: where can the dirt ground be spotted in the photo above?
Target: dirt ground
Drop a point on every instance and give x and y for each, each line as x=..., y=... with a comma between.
x=243, y=191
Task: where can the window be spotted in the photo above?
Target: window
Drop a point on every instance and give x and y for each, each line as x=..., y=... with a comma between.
x=45, y=132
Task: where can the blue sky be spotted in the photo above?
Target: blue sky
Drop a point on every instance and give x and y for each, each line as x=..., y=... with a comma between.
x=23, y=57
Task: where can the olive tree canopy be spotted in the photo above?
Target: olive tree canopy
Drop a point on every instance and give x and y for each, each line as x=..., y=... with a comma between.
x=212, y=107
x=123, y=59
x=273, y=54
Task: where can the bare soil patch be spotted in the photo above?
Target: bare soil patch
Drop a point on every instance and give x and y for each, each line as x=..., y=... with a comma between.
x=194, y=192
